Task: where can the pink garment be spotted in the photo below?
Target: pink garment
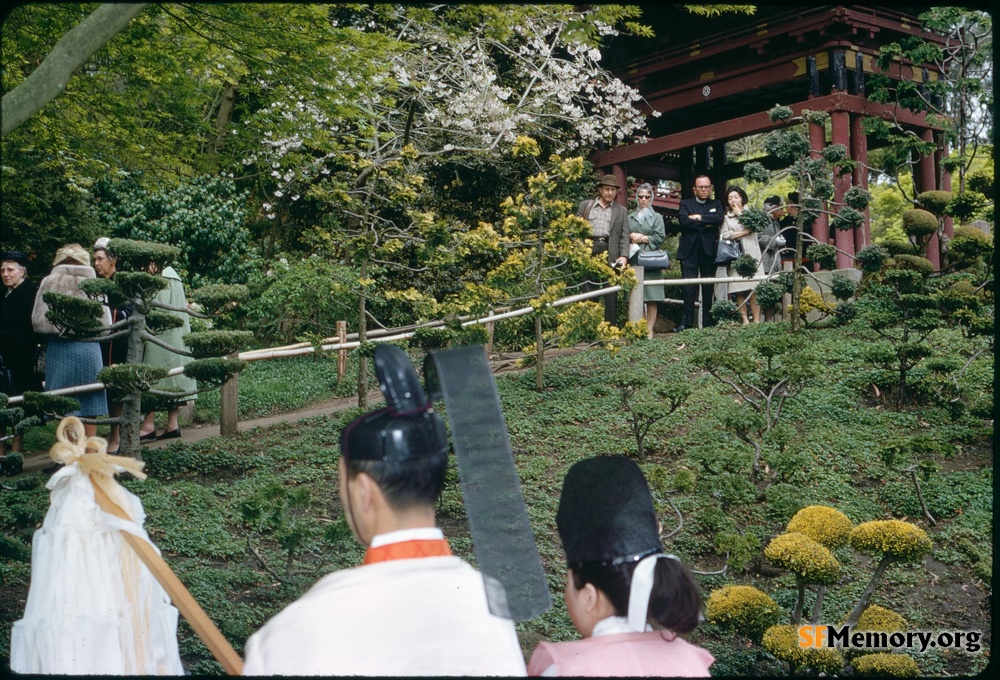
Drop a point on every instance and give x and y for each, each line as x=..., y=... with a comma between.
x=657, y=653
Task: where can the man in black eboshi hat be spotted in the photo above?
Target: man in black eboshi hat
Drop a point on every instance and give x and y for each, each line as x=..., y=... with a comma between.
x=618, y=578
x=412, y=608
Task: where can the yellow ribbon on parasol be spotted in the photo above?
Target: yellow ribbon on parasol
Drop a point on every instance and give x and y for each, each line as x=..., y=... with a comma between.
x=91, y=454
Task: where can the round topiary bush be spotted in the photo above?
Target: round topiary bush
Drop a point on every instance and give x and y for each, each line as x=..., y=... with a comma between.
x=804, y=557
x=783, y=642
x=919, y=223
x=886, y=665
x=880, y=618
x=967, y=244
x=725, y=311
x=825, y=525
x=899, y=247
x=892, y=538
x=769, y=294
x=913, y=263
x=743, y=608
x=934, y=201
x=872, y=258
x=822, y=254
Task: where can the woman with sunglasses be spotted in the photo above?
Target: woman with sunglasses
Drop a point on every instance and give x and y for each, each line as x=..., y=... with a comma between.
x=646, y=231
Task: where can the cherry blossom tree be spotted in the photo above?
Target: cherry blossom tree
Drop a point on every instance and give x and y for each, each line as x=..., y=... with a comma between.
x=422, y=86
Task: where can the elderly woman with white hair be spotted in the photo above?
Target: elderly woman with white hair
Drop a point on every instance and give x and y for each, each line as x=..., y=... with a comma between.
x=18, y=340
x=70, y=361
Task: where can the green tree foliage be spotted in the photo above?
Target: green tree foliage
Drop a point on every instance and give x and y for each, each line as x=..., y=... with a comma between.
x=814, y=178
x=205, y=217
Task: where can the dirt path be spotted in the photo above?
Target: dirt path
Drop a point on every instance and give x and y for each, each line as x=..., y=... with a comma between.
x=193, y=433
x=502, y=363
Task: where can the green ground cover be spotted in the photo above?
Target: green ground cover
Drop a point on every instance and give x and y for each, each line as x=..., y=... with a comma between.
x=250, y=523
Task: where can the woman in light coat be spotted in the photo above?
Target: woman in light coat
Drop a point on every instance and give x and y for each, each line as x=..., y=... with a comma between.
x=646, y=230
x=732, y=228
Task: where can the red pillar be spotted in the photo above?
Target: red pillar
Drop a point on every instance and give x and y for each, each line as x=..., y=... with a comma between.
x=928, y=182
x=859, y=152
x=844, y=240
x=817, y=140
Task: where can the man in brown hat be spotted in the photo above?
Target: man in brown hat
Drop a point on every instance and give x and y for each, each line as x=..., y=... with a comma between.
x=609, y=230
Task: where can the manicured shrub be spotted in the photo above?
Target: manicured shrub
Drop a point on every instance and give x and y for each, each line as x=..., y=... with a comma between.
x=912, y=263
x=742, y=608
x=891, y=538
x=872, y=258
x=880, y=618
x=886, y=665
x=804, y=557
x=825, y=525
x=783, y=642
x=934, y=202
x=919, y=223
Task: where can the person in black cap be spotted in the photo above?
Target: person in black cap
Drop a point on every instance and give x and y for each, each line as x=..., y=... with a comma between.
x=412, y=608
x=617, y=578
x=18, y=340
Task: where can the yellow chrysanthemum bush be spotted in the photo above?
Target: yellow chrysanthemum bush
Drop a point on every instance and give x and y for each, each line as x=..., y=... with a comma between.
x=825, y=525
x=886, y=665
x=811, y=562
x=742, y=608
x=783, y=642
x=894, y=541
x=881, y=619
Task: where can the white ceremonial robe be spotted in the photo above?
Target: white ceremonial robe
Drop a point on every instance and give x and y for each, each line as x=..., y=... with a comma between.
x=424, y=616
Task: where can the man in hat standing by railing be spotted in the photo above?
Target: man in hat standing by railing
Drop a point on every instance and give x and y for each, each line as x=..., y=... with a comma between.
x=609, y=231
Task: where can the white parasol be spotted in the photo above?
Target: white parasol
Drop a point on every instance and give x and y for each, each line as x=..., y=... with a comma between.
x=95, y=606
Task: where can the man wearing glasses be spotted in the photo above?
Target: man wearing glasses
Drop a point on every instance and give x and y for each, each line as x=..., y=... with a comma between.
x=700, y=218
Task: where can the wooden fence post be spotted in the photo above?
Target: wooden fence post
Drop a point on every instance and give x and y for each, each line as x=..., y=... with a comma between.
x=341, y=353
x=229, y=405
x=636, y=306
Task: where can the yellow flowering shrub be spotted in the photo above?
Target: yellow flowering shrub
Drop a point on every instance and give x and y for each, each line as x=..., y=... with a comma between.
x=823, y=524
x=884, y=664
x=880, y=618
x=810, y=300
x=783, y=642
x=803, y=556
x=743, y=608
x=892, y=538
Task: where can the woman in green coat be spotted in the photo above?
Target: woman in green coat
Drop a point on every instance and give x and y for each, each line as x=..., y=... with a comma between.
x=154, y=355
x=646, y=230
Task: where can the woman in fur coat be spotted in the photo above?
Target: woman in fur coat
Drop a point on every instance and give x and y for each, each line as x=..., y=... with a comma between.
x=70, y=361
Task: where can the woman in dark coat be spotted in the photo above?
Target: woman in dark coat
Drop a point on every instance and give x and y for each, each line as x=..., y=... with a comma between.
x=18, y=340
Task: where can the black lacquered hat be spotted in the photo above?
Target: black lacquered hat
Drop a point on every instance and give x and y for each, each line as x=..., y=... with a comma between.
x=407, y=428
x=606, y=513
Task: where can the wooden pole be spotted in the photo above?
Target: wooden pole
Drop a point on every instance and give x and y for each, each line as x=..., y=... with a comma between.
x=341, y=353
x=636, y=305
x=179, y=595
x=229, y=398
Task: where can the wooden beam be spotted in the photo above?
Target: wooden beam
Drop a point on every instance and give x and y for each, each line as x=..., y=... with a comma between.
x=748, y=125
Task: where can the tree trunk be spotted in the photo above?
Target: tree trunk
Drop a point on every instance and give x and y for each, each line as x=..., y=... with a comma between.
x=797, y=268
x=866, y=596
x=539, y=354
x=131, y=405
x=73, y=50
x=362, y=338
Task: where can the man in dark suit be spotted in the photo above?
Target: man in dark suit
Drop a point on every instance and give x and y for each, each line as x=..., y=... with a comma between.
x=609, y=231
x=700, y=218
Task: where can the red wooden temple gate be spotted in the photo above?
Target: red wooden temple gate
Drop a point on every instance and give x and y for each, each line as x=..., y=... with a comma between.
x=714, y=80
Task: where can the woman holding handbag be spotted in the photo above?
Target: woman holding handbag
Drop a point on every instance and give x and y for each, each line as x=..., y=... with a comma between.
x=736, y=200
x=646, y=233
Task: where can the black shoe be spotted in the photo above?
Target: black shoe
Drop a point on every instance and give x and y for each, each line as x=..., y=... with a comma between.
x=172, y=434
x=678, y=329
x=52, y=468
x=148, y=437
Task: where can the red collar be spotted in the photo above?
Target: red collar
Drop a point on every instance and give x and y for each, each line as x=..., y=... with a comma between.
x=406, y=550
